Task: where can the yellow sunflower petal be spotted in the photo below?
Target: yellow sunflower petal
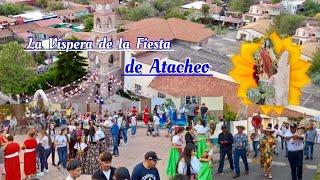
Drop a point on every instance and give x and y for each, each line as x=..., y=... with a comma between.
x=294, y=95
x=300, y=65
x=278, y=109
x=266, y=109
x=277, y=43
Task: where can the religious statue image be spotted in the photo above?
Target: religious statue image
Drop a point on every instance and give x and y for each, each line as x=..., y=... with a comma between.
x=271, y=73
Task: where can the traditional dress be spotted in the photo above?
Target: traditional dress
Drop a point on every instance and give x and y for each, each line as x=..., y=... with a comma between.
x=146, y=115
x=201, y=140
x=91, y=158
x=30, y=156
x=267, y=145
x=206, y=168
x=12, y=163
x=174, y=156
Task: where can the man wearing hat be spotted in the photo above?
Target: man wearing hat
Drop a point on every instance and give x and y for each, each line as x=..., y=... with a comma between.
x=311, y=137
x=295, y=151
x=241, y=149
x=147, y=169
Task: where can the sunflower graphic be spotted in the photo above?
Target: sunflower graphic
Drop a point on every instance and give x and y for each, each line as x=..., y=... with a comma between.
x=270, y=73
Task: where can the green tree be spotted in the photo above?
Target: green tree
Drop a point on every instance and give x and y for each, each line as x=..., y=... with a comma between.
x=228, y=113
x=175, y=12
x=241, y=5
x=205, y=10
x=141, y=11
x=122, y=11
x=314, y=70
x=159, y=5
x=16, y=68
x=55, y=5
x=310, y=8
x=275, y=1
x=13, y=9
x=88, y=23
x=69, y=68
x=287, y=24
x=40, y=57
x=42, y=3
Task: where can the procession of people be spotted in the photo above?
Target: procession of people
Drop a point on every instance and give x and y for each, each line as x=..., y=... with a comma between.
x=87, y=142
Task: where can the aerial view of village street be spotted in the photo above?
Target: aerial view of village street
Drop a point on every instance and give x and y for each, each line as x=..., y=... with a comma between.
x=159, y=89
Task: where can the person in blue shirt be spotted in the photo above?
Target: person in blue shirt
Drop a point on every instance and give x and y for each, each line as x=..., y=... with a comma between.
x=241, y=149
x=115, y=134
x=147, y=169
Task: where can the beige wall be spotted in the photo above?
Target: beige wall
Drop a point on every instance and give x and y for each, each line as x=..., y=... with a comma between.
x=249, y=33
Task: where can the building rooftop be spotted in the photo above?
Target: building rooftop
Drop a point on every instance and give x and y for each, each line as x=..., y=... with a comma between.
x=167, y=29
x=309, y=49
x=6, y=19
x=50, y=31
x=194, y=5
x=4, y=33
x=34, y=16
x=24, y=27
x=48, y=22
x=260, y=26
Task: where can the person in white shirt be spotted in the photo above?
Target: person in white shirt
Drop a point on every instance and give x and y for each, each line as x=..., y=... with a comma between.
x=52, y=136
x=202, y=131
x=189, y=165
x=277, y=135
x=156, y=121
x=294, y=141
x=284, y=130
x=74, y=169
x=133, y=122
x=61, y=144
x=99, y=135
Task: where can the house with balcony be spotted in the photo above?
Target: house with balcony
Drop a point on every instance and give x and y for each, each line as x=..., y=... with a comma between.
x=254, y=30
x=6, y=21
x=292, y=6
x=262, y=11
x=306, y=34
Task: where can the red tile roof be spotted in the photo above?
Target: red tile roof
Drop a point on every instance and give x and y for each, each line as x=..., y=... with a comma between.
x=170, y=29
x=206, y=87
x=104, y=1
x=48, y=22
x=24, y=27
x=50, y=31
x=5, y=33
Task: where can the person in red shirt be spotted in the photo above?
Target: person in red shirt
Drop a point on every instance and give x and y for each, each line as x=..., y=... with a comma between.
x=3, y=139
x=11, y=156
x=146, y=115
x=29, y=146
x=134, y=111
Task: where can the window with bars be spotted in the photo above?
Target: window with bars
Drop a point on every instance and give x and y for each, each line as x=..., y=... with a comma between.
x=160, y=95
x=194, y=99
x=137, y=89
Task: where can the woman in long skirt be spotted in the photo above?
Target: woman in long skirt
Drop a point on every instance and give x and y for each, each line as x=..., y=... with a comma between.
x=108, y=138
x=146, y=115
x=175, y=151
x=90, y=162
x=30, y=155
x=202, y=131
x=12, y=163
x=206, y=163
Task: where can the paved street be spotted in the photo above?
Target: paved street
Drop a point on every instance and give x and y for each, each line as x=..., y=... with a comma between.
x=139, y=145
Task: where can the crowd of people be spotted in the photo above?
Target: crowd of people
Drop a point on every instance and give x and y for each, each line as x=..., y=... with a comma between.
x=86, y=143
x=194, y=160
x=81, y=137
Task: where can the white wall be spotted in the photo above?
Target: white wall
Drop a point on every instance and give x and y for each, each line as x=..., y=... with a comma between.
x=250, y=34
